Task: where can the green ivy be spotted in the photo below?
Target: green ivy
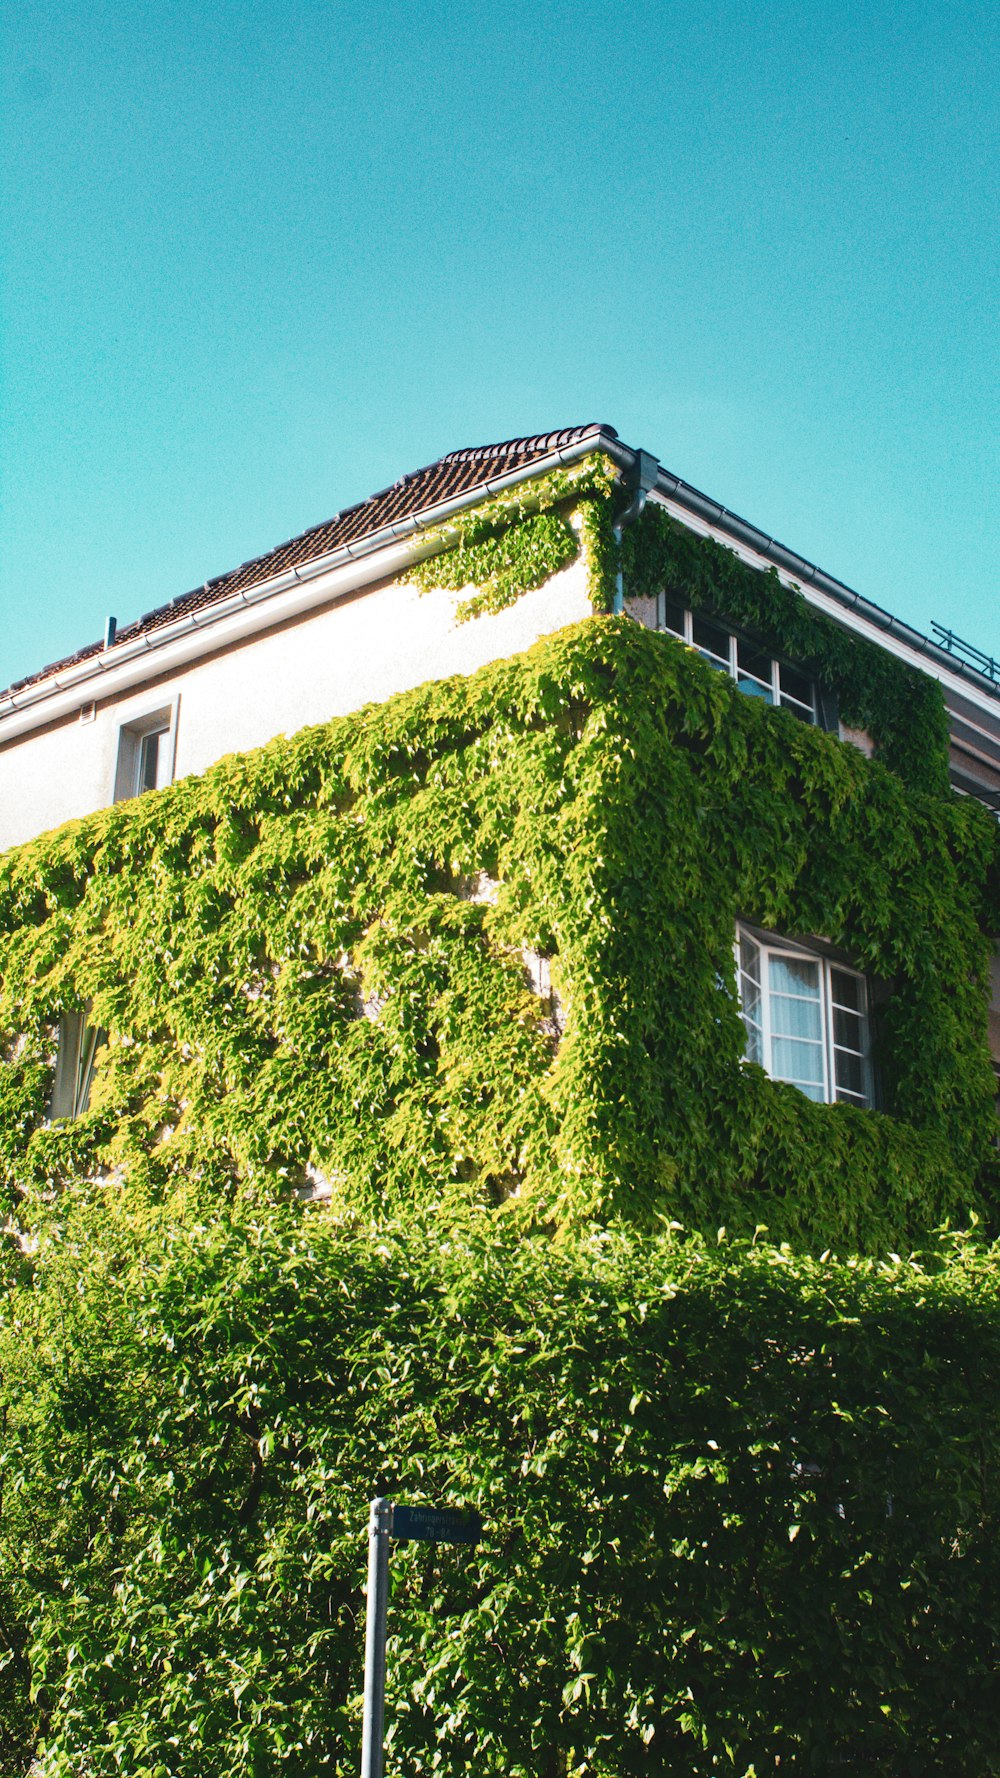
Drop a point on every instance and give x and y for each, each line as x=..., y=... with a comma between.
x=515, y=541
x=902, y=709
x=326, y=955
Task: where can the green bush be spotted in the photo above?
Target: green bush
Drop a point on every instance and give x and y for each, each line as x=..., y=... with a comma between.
x=740, y=1507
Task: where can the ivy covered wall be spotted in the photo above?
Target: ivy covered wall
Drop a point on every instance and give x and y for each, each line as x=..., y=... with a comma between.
x=476, y=943
x=516, y=540
x=464, y=963
x=901, y=708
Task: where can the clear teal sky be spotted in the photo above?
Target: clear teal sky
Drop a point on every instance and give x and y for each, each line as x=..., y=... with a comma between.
x=262, y=259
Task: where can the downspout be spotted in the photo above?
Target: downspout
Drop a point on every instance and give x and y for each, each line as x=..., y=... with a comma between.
x=641, y=480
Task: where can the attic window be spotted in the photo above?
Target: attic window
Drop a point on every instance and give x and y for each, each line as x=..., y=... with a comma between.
x=757, y=673
x=145, y=753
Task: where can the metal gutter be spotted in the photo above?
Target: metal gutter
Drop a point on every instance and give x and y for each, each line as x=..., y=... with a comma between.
x=381, y=555
x=640, y=481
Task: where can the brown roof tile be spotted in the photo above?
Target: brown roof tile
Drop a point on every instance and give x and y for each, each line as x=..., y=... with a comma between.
x=460, y=472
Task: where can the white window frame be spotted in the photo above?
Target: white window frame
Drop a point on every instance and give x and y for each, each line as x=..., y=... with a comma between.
x=134, y=740
x=769, y=946
x=768, y=687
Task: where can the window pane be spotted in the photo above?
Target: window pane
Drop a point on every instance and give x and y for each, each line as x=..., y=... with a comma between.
x=671, y=615
x=750, y=959
x=712, y=640
x=753, y=688
x=750, y=999
x=92, y=1040
x=754, y=661
x=804, y=712
x=796, y=1018
x=755, y=672
x=850, y=1036
x=149, y=754
x=801, y=1063
x=848, y=1030
x=795, y=685
x=78, y=1043
x=750, y=1005
x=793, y=975
x=69, y=1037
x=850, y=1073
x=812, y=1090
x=847, y=990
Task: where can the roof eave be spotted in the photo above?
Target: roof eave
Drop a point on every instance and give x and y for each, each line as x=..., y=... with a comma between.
x=385, y=552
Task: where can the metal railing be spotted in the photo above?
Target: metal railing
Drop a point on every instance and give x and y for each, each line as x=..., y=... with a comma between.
x=984, y=663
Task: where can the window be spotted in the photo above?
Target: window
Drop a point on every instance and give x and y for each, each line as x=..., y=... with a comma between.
x=756, y=672
x=806, y=1019
x=77, y=1044
x=145, y=753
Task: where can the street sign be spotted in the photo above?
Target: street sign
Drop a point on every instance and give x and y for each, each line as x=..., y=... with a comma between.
x=423, y=1524
x=407, y=1524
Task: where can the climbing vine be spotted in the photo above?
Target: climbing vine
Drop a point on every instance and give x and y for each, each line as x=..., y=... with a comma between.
x=476, y=945
x=458, y=971
x=516, y=540
x=901, y=708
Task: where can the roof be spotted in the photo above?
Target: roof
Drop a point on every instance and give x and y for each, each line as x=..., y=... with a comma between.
x=426, y=497
x=459, y=472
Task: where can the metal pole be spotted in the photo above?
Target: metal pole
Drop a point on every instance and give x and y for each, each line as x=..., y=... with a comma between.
x=379, y=1528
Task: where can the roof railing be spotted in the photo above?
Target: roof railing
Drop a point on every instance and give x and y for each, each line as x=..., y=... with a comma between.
x=984, y=663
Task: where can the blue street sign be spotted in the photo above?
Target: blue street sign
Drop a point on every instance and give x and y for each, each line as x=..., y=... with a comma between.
x=422, y=1524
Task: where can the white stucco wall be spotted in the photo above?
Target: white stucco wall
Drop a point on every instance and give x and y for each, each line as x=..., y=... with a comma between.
x=329, y=663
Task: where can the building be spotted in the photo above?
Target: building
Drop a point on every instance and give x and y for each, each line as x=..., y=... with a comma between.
x=328, y=621
x=836, y=976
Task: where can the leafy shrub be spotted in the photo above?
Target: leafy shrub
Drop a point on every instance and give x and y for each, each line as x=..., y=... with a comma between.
x=740, y=1507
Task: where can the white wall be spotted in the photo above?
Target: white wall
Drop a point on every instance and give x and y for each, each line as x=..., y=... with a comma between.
x=329, y=663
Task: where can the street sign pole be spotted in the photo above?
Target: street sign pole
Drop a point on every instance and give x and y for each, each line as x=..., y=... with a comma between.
x=372, y=1732
x=408, y=1524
